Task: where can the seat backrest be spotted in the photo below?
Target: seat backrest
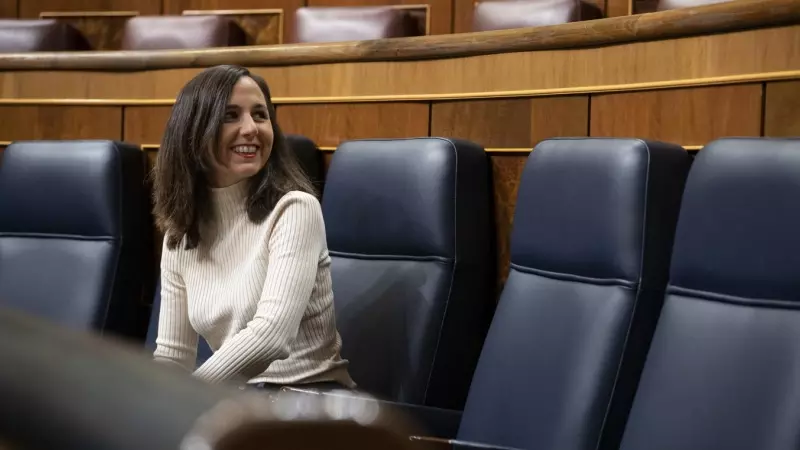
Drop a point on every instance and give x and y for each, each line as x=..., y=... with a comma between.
x=73, y=240
x=590, y=250
x=43, y=35
x=359, y=23
x=722, y=371
x=409, y=232
x=181, y=32
x=664, y=5
x=310, y=158
x=506, y=14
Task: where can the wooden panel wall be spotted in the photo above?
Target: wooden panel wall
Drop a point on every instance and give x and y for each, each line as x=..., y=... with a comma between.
x=782, y=109
x=60, y=122
x=8, y=8
x=508, y=128
x=690, y=116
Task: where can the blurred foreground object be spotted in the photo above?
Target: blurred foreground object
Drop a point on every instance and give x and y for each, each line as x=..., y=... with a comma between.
x=63, y=389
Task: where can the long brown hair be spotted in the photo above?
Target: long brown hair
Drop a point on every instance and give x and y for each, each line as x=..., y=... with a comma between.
x=182, y=171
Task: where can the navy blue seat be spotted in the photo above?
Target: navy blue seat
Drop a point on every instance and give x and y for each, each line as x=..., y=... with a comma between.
x=73, y=240
x=409, y=232
x=590, y=251
x=723, y=370
x=310, y=159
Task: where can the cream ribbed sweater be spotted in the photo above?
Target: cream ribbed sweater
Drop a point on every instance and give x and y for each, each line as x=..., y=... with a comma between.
x=260, y=294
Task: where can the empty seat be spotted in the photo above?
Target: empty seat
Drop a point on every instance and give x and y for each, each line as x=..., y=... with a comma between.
x=507, y=14
x=73, y=240
x=39, y=36
x=724, y=365
x=590, y=251
x=409, y=232
x=321, y=24
x=310, y=159
x=664, y=5
x=181, y=32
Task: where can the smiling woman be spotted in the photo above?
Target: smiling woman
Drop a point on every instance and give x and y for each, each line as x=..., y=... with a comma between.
x=245, y=262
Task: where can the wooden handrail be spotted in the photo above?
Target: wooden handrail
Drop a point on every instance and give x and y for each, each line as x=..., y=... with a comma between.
x=714, y=18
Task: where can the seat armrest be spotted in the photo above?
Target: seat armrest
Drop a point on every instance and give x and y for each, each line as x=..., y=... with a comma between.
x=434, y=443
x=434, y=422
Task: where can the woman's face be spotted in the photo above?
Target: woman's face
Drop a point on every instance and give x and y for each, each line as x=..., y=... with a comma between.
x=246, y=136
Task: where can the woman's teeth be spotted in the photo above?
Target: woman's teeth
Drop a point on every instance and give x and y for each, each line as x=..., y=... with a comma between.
x=245, y=149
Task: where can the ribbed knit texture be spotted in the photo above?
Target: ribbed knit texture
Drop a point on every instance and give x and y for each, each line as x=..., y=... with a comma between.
x=260, y=294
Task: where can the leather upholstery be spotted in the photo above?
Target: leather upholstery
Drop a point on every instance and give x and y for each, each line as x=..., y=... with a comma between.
x=664, y=5
x=590, y=251
x=181, y=32
x=722, y=371
x=39, y=36
x=409, y=232
x=72, y=233
x=321, y=24
x=507, y=14
x=310, y=159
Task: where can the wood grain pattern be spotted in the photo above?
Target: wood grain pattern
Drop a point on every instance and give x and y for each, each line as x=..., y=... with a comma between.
x=8, y=9
x=103, y=31
x=262, y=26
x=440, y=10
x=511, y=123
x=32, y=8
x=329, y=125
x=782, y=109
x=506, y=174
x=176, y=7
x=617, y=8
x=144, y=125
x=60, y=122
x=682, y=116
x=701, y=20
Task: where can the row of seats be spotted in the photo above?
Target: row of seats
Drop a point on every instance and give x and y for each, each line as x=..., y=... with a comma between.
x=312, y=24
x=595, y=253
x=651, y=301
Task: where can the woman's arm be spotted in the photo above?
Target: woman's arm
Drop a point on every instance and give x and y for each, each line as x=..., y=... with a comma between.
x=294, y=246
x=177, y=340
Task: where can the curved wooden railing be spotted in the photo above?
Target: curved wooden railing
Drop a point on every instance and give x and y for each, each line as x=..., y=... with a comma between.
x=714, y=18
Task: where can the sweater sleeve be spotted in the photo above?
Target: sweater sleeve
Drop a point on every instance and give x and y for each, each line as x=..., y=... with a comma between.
x=294, y=247
x=177, y=340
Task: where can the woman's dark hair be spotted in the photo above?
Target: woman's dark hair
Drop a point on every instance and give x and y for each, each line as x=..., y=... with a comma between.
x=183, y=167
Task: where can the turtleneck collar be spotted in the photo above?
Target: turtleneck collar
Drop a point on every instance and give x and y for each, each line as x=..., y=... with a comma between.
x=229, y=201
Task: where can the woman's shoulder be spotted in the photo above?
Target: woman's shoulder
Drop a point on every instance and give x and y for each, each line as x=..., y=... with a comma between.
x=299, y=200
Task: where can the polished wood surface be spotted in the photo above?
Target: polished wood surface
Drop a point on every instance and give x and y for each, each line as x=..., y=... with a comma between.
x=688, y=116
x=715, y=18
x=782, y=109
x=8, y=9
x=60, y=122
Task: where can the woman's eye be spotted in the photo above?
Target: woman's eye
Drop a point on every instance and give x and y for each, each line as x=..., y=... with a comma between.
x=230, y=115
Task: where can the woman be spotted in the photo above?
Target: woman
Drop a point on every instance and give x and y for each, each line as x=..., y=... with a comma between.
x=244, y=262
